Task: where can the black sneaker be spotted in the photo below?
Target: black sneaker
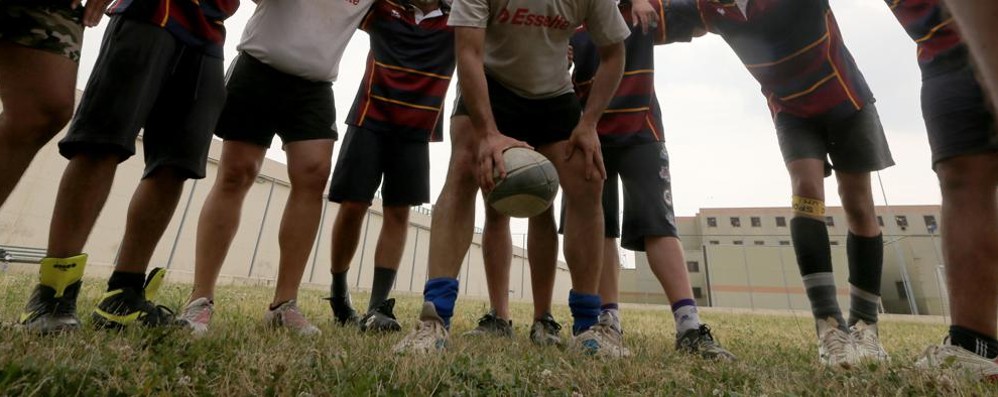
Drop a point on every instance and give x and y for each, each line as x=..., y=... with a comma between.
x=122, y=307
x=343, y=312
x=381, y=318
x=700, y=341
x=52, y=306
x=546, y=331
x=490, y=324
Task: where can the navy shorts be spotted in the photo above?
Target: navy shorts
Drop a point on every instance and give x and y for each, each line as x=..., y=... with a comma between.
x=852, y=144
x=956, y=115
x=537, y=122
x=368, y=156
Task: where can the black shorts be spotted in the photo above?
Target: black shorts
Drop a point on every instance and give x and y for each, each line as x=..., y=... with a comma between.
x=367, y=155
x=147, y=78
x=263, y=102
x=956, y=116
x=853, y=144
x=537, y=122
x=648, y=210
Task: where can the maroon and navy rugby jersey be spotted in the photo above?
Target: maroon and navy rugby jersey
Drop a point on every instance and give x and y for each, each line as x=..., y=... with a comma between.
x=940, y=48
x=633, y=116
x=408, y=72
x=197, y=23
x=793, y=48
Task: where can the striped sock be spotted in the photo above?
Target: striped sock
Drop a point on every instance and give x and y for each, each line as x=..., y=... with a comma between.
x=821, y=292
x=863, y=306
x=982, y=345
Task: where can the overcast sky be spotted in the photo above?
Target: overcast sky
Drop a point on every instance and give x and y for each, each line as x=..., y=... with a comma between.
x=718, y=130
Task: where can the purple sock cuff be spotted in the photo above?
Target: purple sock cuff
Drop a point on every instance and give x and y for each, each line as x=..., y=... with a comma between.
x=683, y=303
x=610, y=306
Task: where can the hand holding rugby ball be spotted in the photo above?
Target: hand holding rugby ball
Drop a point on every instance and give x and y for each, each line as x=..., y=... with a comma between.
x=530, y=186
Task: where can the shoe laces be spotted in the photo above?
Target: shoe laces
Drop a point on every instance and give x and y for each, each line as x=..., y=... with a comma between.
x=197, y=314
x=867, y=338
x=292, y=317
x=490, y=320
x=549, y=324
x=835, y=342
x=387, y=308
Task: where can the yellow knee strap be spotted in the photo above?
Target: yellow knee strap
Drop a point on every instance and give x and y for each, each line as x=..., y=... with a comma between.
x=60, y=273
x=809, y=207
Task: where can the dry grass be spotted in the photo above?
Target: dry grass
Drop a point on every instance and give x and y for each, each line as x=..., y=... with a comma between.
x=239, y=357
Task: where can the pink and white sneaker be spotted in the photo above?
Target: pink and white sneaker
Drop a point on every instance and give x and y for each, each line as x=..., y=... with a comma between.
x=288, y=316
x=197, y=315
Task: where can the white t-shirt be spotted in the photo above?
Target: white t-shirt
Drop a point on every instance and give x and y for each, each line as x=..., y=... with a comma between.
x=526, y=41
x=305, y=38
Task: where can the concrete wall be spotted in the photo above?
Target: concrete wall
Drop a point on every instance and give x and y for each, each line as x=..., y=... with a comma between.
x=253, y=257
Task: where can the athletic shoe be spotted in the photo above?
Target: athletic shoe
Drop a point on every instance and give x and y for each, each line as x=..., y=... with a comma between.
x=429, y=336
x=955, y=357
x=491, y=325
x=611, y=318
x=546, y=331
x=343, y=312
x=197, y=315
x=122, y=307
x=835, y=346
x=52, y=306
x=866, y=339
x=381, y=318
x=288, y=316
x=602, y=340
x=701, y=342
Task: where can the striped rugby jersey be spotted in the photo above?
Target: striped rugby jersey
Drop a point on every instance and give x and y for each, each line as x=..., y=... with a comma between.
x=197, y=23
x=940, y=48
x=633, y=116
x=409, y=70
x=793, y=48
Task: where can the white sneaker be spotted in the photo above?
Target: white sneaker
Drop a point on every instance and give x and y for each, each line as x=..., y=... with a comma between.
x=429, y=336
x=602, y=340
x=288, y=316
x=950, y=356
x=835, y=346
x=197, y=315
x=866, y=339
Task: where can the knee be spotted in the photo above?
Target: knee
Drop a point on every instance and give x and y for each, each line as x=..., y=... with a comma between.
x=960, y=178
x=238, y=176
x=353, y=210
x=36, y=126
x=396, y=215
x=310, y=176
x=808, y=188
x=462, y=172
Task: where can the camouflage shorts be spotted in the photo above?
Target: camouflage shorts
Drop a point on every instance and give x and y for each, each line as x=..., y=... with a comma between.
x=52, y=28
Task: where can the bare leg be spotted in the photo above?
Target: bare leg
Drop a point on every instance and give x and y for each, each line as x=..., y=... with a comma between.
x=391, y=242
x=453, y=221
x=346, y=234
x=219, y=220
x=970, y=240
x=610, y=276
x=149, y=213
x=36, y=88
x=497, y=252
x=857, y=201
x=665, y=256
x=83, y=191
x=542, y=248
x=584, y=218
x=308, y=168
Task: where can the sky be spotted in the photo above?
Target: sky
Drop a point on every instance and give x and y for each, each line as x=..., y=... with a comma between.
x=718, y=130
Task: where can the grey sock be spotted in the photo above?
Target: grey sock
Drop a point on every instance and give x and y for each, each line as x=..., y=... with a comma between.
x=384, y=280
x=339, y=287
x=821, y=292
x=863, y=306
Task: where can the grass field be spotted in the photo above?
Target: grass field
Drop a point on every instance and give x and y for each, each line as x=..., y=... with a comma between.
x=239, y=357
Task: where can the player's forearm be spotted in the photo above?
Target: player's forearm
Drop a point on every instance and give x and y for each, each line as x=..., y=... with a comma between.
x=976, y=19
x=471, y=79
x=611, y=69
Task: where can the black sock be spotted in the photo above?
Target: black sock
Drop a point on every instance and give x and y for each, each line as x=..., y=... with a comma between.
x=814, y=257
x=384, y=280
x=339, y=288
x=121, y=280
x=982, y=345
x=866, y=265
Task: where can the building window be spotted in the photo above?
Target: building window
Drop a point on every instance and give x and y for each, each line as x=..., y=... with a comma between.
x=902, y=221
x=833, y=242
x=756, y=221
x=930, y=223
x=736, y=221
x=760, y=242
x=902, y=292
x=693, y=266
x=697, y=293
x=715, y=242
x=830, y=221
x=784, y=242
x=781, y=221
x=711, y=221
x=739, y=242
x=880, y=220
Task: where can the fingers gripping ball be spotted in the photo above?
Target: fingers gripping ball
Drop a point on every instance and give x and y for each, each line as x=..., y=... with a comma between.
x=530, y=186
